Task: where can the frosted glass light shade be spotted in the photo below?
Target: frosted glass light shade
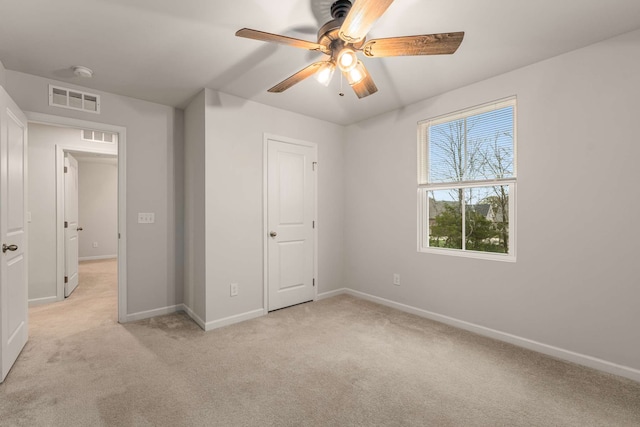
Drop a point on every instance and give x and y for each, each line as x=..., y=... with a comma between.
x=347, y=59
x=356, y=74
x=325, y=75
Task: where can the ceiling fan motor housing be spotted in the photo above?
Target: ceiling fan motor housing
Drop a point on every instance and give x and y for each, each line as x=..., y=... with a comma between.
x=340, y=8
x=328, y=33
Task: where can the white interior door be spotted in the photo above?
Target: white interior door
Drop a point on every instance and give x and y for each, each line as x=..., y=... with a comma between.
x=13, y=266
x=291, y=206
x=71, y=227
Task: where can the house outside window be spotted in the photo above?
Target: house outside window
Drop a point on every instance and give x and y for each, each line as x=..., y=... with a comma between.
x=467, y=182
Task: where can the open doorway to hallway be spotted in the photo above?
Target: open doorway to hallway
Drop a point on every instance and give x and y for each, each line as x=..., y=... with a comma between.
x=60, y=240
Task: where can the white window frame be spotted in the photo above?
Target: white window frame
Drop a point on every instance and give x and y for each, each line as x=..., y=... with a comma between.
x=424, y=186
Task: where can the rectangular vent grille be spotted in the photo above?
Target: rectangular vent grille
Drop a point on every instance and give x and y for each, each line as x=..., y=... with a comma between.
x=99, y=136
x=74, y=99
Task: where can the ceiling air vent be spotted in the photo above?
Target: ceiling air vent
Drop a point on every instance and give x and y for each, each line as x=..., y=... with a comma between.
x=74, y=99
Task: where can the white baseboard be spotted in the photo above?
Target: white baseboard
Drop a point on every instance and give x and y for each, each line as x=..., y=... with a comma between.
x=41, y=301
x=194, y=316
x=333, y=293
x=153, y=313
x=559, y=353
x=215, y=324
x=98, y=257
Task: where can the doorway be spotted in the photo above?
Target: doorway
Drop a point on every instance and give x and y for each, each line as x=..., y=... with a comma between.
x=290, y=222
x=84, y=148
x=90, y=211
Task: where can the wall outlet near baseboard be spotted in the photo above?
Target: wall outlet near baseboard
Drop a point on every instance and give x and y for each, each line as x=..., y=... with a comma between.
x=233, y=289
x=95, y=244
x=396, y=279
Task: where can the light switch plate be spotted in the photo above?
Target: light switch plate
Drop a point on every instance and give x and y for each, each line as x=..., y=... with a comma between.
x=146, y=217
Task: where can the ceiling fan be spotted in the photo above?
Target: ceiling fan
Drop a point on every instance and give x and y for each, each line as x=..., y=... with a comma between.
x=344, y=35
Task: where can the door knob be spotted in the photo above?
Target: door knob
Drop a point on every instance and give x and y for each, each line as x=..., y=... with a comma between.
x=11, y=248
x=79, y=229
x=273, y=234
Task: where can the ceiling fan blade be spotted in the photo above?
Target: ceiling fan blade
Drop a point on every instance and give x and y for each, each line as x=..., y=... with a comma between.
x=277, y=38
x=360, y=19
x=428, y=44
x=298, y=77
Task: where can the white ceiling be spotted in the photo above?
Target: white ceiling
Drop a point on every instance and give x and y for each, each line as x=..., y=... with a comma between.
x=166, y=51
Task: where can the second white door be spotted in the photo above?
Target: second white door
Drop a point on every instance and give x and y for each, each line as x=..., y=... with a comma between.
x=291, y=207
x=71, y=227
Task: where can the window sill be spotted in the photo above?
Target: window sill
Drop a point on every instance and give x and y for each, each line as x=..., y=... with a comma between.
x=469, y=254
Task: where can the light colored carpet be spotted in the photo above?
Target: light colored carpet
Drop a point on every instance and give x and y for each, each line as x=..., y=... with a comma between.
x=337, y=362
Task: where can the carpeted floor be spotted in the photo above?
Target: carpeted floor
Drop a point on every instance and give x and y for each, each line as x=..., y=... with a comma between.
x=337, y=362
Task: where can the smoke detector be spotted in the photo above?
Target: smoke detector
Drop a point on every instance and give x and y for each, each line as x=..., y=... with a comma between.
x=81, y=71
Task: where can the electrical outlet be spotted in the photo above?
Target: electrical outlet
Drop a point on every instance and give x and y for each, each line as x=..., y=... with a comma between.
x=95, y=244
x=234, y=289
x=396, y=279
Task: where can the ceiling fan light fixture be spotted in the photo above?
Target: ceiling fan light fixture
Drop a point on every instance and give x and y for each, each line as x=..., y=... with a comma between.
x=347, y=59
x=356, y=74
x=344, y=35
x=325, y=75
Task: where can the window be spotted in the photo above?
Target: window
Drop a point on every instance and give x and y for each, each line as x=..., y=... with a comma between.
x=467, y=182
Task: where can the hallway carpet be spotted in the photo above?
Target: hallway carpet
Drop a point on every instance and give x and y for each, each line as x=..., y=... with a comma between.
x=337, y=362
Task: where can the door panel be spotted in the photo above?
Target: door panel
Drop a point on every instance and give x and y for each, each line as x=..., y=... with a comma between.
x=292, y=264
x=291, y=210
x=71, y=245
x=13, y=262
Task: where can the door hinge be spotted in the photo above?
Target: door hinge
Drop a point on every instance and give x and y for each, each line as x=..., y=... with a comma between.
x=65, y=169
x=66, y=279
x=314, y=165
x=313, y=224
x=314, y=283
x=66, y=224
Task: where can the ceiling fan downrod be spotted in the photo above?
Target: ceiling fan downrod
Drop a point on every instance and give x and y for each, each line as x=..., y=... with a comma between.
x=340, y=8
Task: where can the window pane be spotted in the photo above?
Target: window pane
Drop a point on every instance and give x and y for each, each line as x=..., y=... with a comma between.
x=490, y=144
x=478, y=147
x=487, y=219
x=447, y=152
x=445, y=218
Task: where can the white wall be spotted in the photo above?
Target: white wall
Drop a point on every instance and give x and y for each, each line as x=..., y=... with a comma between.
x=154, y=170
x=234, y=199
x=575, y=283
x=42, y=203
x=194, y=211
x=2, y=75
x=98, y=208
